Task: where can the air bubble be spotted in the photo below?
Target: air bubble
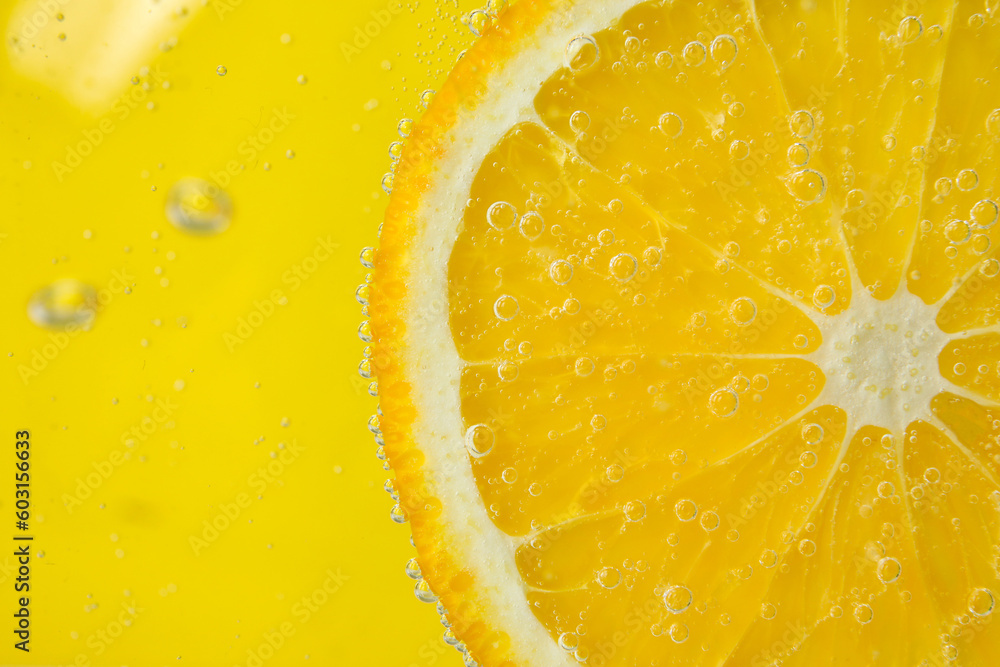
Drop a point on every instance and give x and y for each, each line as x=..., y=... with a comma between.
x=634, y=510
x=888, y=570
x=739, y=150
x=798, y=155
x=584, y=366
x=724, y=50
x=686, y=510
x=984, y=213
x=812, y=433
x=199, y=207
x=532, y=225
x=967, y=179
x=479, y=440
x=501, y=215
x=768, y=558
x=623, y=267
x=582, y=53
x=677, y=599
x=694, y=54
x=981, y=602
x=579, y=121
x=507, y=371
x=910, y=28
x=863, y=614
x=561, y=271
x=679, y=633
x=64, y=303
x=609, y=577
x=807, y=185
x=801, y=124
x=724, y=403
x=506, y=308
x=671, y=125
x=743, y=311
x=824, y=296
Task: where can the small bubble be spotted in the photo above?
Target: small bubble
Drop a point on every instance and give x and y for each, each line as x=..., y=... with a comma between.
x=967, y=179
x=615, y=473
x=807, y=547
x=709, y=521
x=812, y=433
x=221, y=70
x=501, y=215
x=743, y=311
x=807, y=185
x=724, y=403
x=679, y=633
x=724, y=50
x=739, y=150
x=582, y=53
x=798, y=155
x=671, y=125
x=404, y=128
x=863, y=614
x=561, y=271
x=579, y=121
x=507, y=371
x=531, y=226
x=506, y=308
x=767, y=611
x=677, y=599
x=568, y=641
x=584, y=366
x=910, y=28
x=808, y=459
x=801, y=124
x=981, y=602
x=686, y=510
x=768, y=558
x=623, y=267
x=64, y=303
x=199, y=207
x=824, y=296
x=479, y=440
x=609, y=577
x=678, y=457
x=634, y=510
x=694, y=54
x=984, y=213
x=888, y=570
x=478, y=21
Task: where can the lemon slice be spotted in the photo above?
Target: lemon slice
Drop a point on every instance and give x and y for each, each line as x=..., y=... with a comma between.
x=685, y=325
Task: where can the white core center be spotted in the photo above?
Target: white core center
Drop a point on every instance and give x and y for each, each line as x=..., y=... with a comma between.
x=880, y=359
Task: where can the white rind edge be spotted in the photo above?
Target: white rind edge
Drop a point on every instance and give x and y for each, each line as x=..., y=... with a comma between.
x=430, y=356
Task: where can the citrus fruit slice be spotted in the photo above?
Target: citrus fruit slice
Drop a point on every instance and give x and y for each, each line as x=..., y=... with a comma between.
x=684, y=319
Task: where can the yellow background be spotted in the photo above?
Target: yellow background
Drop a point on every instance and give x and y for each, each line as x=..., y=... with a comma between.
x=128, y=543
